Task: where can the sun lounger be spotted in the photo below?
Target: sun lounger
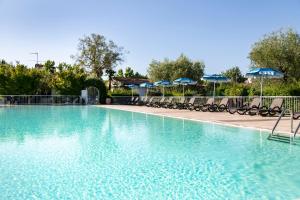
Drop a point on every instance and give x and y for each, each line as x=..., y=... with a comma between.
x=223, y=105
x=275, y=107
x=204, y=107
x=193, y=104
x=190, y=104
x=143, y=101
x=131, y=100
x=180, y=104
x=160, y=102
x=251, y=109
x=169, y=103
x=238, y=104
x=296, y=115
x=151, y=100
x=134, y=101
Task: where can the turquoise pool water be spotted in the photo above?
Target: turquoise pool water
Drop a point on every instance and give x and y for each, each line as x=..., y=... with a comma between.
x=93, y=153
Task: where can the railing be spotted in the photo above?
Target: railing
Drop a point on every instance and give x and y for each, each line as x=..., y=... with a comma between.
x=291, y=103
x=278, y=120
x=40, y=100
x=296, y=131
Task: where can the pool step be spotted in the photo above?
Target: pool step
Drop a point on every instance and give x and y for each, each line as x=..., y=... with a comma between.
x=283, y=138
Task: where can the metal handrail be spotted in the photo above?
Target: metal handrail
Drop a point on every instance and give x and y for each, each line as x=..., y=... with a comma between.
x=296, y=131
x=278, y=120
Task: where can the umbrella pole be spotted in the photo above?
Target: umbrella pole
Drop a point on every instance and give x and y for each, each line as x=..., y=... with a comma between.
x=163, y=91
x=183, y=90
x=214, y=90
x=261, y=90
x=131, y=92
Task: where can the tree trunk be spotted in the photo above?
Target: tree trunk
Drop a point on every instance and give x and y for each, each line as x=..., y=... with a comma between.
x=109, y=83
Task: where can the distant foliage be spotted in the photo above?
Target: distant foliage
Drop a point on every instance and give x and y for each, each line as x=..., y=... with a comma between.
x=120, y=73
x=171, y=70
x=21, y=80
x=69, y=80
x=64, y=79
x=121, y=92
x=235, y=75
x=129, y=73
x=97, y=54
x=279, y=50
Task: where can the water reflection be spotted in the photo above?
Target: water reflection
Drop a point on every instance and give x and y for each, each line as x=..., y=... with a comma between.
x=100, y=150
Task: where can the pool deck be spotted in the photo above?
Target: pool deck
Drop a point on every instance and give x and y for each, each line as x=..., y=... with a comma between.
x=254, y=122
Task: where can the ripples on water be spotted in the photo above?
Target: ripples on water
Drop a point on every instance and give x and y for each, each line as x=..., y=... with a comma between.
x=87, y=152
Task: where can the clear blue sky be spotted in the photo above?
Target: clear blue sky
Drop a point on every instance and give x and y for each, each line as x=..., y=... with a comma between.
x=218, y=32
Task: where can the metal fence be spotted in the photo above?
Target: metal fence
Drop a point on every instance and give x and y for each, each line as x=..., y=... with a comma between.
x=40, y=100
x=290, y=102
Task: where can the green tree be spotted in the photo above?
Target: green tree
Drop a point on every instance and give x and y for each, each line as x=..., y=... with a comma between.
x=235, y=75
x=110, y=73
x=120, y=73
x=67, y=80
x=98, y=54
x=129, y=72
x=49, y=66
x=171, y=70
x=70, y=80
x=138, y=75
x=3, y=62
x=279, y=50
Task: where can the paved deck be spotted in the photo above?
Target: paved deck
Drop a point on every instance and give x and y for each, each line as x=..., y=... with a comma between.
x=256, y=122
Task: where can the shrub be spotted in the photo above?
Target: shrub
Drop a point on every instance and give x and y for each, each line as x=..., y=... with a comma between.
x=121, y=92
x=236, y=90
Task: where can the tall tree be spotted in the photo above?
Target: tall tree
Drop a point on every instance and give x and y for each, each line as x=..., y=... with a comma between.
x=279, y=50
x=50, y=66
x=234, y=74
x=98, y=54
x=110, y=73
x=129, y=72
x=171, y=70
x=138, y=75
x=120, y=73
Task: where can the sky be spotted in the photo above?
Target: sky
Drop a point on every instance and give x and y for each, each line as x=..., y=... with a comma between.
x=220, y=33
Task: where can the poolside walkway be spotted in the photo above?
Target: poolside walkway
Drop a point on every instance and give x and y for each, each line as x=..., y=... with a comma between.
x=256, y=122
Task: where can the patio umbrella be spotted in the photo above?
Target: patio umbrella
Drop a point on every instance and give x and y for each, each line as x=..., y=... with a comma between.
x=183, y=82
x=215, y=78
x=147, y=85
x=132, y=86
x=163, y=83
x=263, y=73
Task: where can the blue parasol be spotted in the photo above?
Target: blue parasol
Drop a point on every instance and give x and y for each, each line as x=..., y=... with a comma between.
x=132, y=86
x=146, y=85
x=215, y=78
x=263, y=73
x=163, y=83
x=184, y=81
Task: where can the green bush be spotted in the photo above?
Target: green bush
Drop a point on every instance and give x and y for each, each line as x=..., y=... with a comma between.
x=188, y=92
x=282, y=89
x=236, y=90
x=121, y=92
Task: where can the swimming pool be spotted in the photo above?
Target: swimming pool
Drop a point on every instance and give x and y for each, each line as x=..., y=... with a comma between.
x=55, y=152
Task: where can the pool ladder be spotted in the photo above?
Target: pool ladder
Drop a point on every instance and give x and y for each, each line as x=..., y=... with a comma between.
x=292, y=137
